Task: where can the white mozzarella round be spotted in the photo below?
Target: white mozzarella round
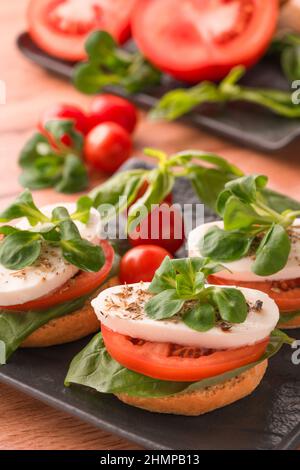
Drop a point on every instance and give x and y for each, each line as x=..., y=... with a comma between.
x=240, y=270
x=50, y=271
x=120, y=308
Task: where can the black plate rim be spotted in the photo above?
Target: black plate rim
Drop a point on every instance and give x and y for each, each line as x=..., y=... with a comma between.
x=145, y=100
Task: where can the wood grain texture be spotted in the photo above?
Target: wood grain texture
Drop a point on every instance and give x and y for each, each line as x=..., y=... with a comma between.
x=27, y=423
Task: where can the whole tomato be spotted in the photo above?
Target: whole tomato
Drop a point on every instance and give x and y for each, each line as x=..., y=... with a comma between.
x=107, y=147
x=111, y=108
x=164, y=227
x=141, y=262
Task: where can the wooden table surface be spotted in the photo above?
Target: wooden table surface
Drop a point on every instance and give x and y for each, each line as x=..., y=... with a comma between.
x=27, y=423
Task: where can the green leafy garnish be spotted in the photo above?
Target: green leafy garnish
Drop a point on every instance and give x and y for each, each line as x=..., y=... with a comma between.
x=181, y=101
x=21, y=248
x=179, y=288
x=93, y=367
x=50, y=162
x=287, y=46
x=251, y=226
x=108, y=64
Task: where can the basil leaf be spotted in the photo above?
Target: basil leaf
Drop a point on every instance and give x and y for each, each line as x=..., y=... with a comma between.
x=285, y=317
x=246, y=187
x=83, y=254
x=83, y=209
x=240, y=216
x=23, y=206
x=231, y=304
x=273, y=252
x=225, y=246
x=187, y=290
x=68, y=228
x=208, y=183
x=108, y=64
x=74, y=177
x=59, y=128
x=15, y=328
x=279, y=202
x=164, y=277
x=20, y=249
x=202, y=317
x=37, y=147
x=117, y=193
x=160, y=185
x=8, y=230
x=164, y=305
x=93, y=367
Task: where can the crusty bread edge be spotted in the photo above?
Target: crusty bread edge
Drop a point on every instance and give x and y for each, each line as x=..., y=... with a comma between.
x=68, y=328
x=202, y=401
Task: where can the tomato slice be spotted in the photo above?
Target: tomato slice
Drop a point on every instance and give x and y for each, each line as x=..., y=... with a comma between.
x=171, y=362
x=78, y=286
x=197, y=40
x=286, y=294
x=61, y=27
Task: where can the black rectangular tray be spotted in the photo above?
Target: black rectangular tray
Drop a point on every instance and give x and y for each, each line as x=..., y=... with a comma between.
x=267, y=419
x=246, y=124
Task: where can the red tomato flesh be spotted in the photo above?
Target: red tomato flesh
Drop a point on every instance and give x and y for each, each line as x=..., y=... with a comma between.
x=141, y=262
x=286, y=294
x=81, y=284
x=113, y=108
x=165, y=361
x=61, y=27
x=163, y=227
x=197, y=40
x=65, y=112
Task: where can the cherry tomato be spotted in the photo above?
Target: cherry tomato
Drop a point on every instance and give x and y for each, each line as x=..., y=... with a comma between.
x=61, y=27
x=167, y=361
x=141, y=262
x=203, y=40
x=65, y=111
x=163, y=227
x=107, y=146
x=76, y=287
x=114, y=109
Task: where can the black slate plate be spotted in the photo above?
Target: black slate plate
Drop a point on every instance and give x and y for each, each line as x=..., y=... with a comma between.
x=246, y=124
x=268, y=419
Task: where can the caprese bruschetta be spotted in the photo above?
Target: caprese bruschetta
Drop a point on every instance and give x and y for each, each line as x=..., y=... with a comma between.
x=259, y=247
x=52, y=263
x=177, y=345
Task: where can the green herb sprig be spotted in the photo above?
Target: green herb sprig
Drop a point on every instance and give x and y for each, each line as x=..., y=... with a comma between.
x=287, y=46
x=251, y=226
x=208, y=174
x=110, y=65
x=181, y=101
x=179, y=286
x=22, y=248
x=49, y=162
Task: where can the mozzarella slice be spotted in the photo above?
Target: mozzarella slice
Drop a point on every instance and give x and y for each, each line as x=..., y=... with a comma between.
x=240, y=270
x=50, y=271
x=121, y=308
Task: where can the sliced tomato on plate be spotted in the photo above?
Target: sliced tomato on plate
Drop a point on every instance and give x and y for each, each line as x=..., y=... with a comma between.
x=285, y=293
x=167, y=361
x=61, y=27
x=81, y=284
x=197, y=40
